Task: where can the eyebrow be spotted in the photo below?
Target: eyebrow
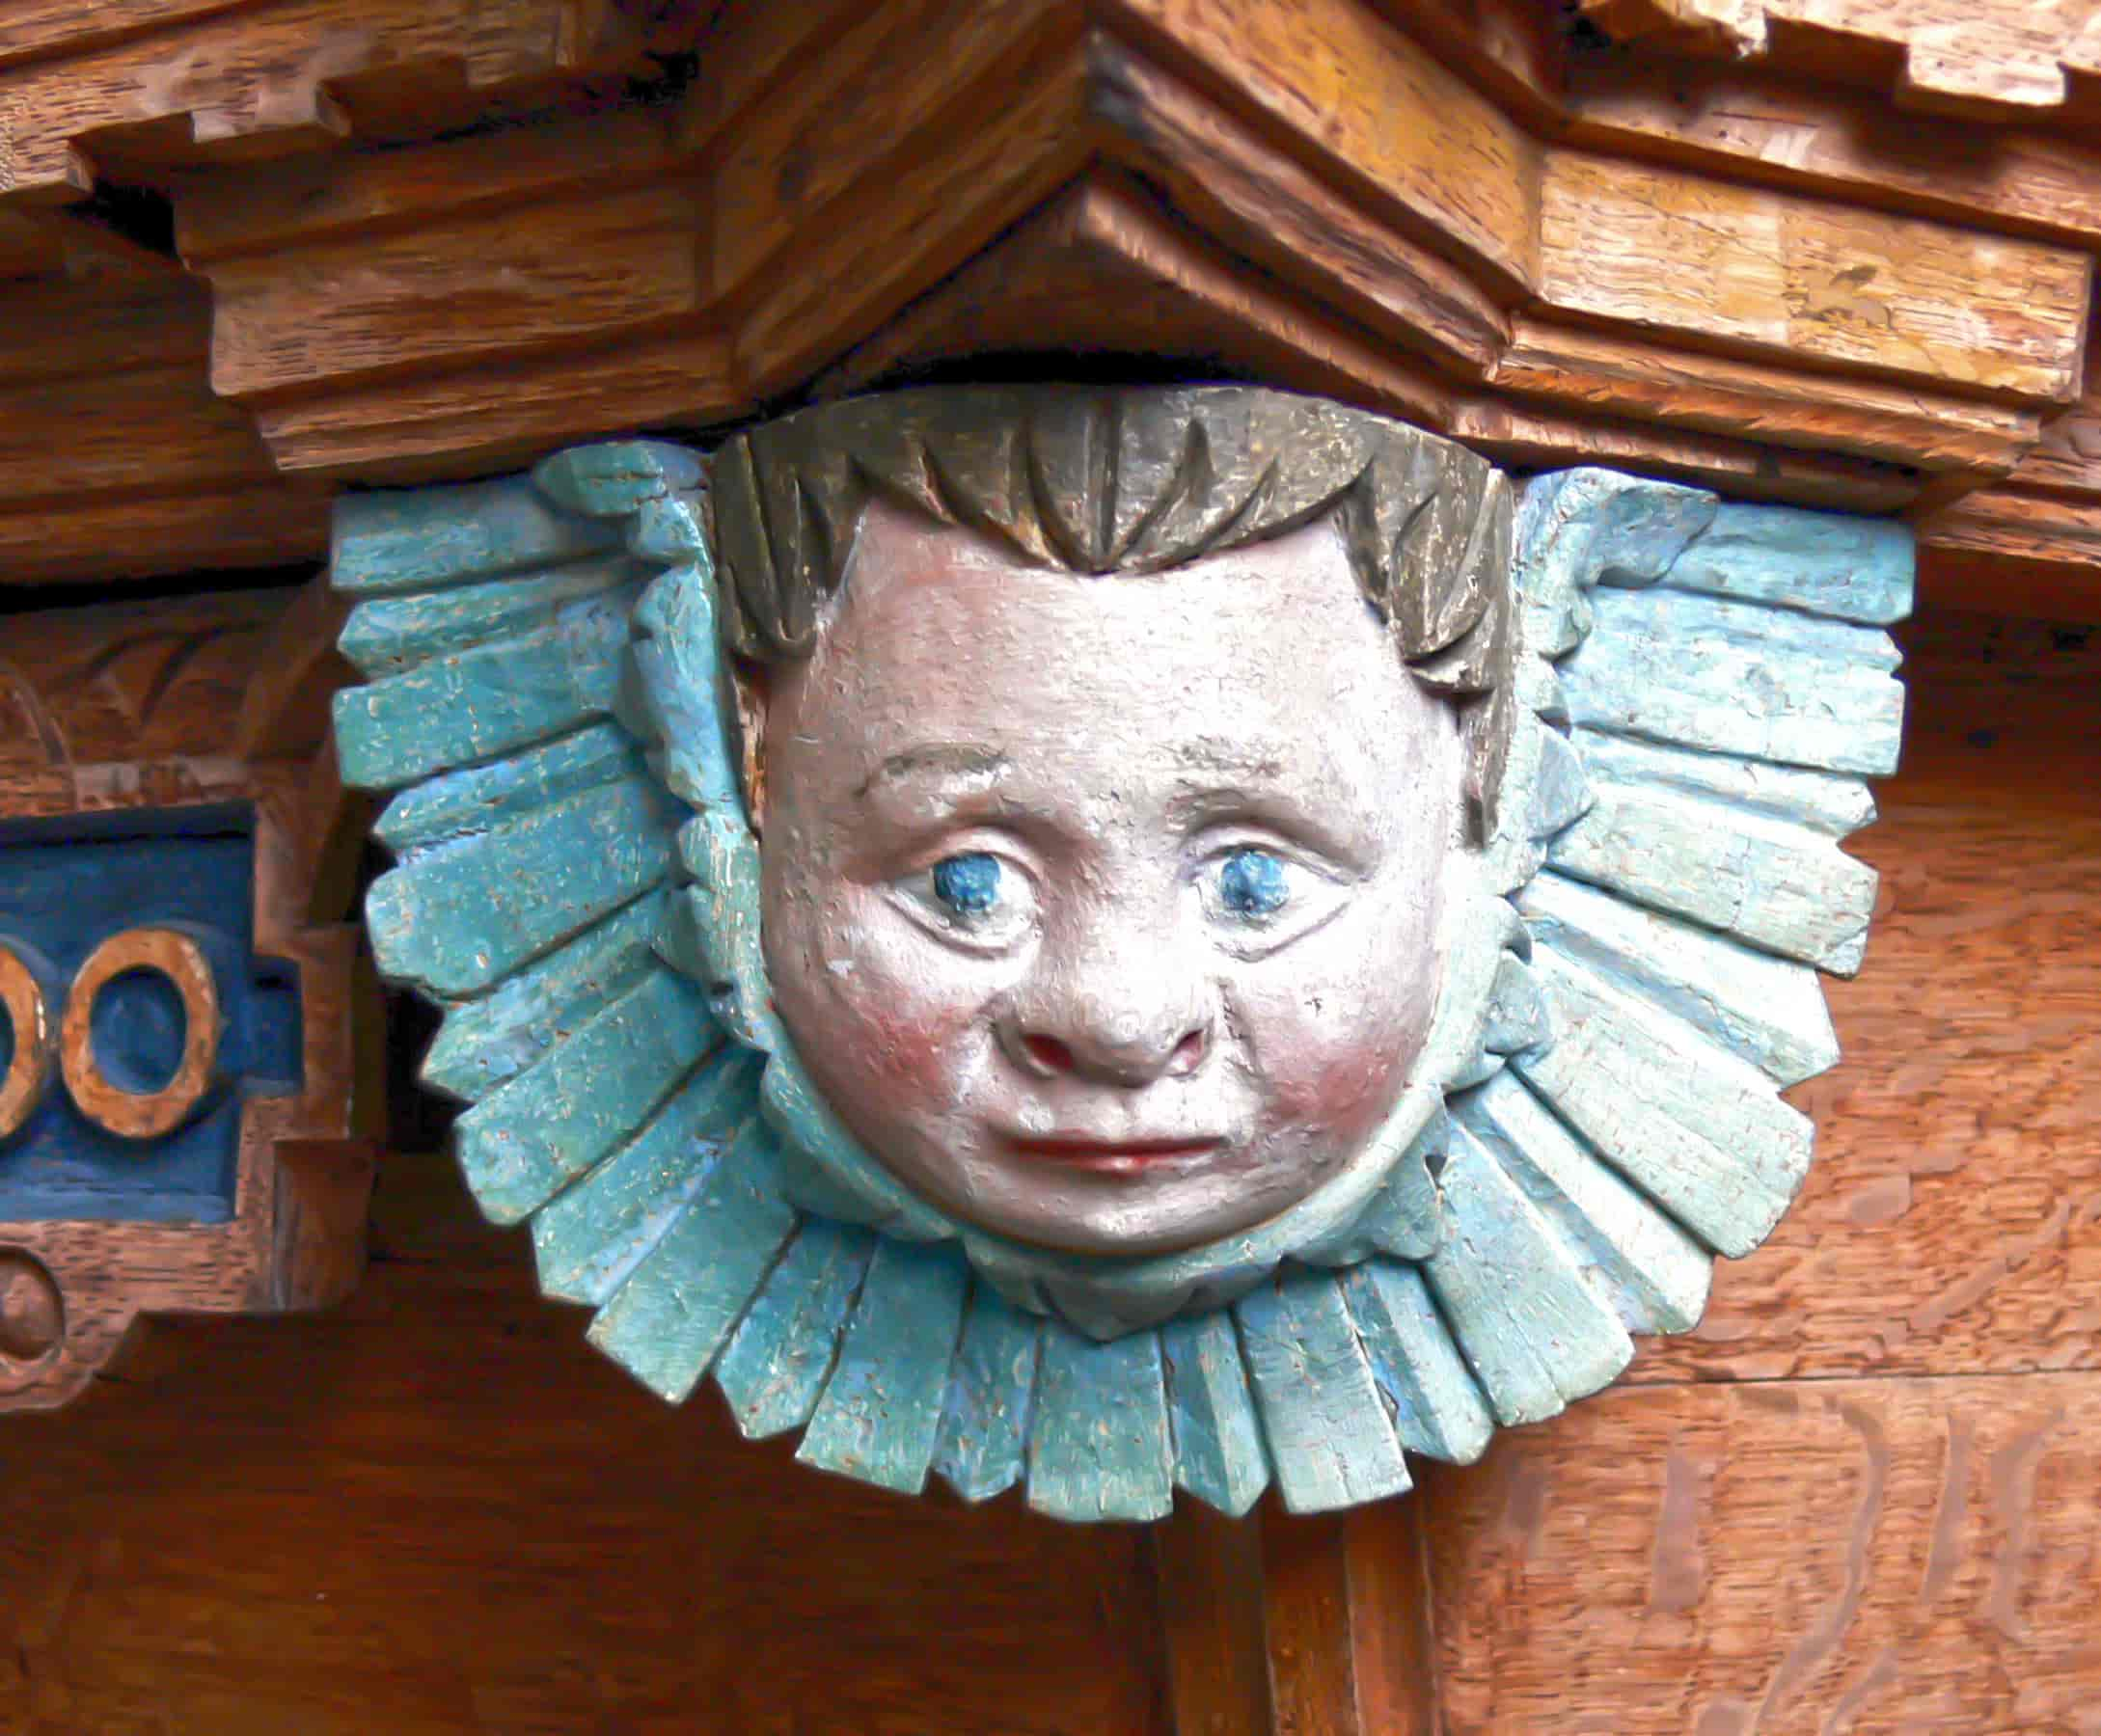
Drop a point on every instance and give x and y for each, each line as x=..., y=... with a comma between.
x=951, y=759
x=1214, y=753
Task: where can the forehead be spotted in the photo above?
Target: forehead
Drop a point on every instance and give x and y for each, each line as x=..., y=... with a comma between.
x=942, y=635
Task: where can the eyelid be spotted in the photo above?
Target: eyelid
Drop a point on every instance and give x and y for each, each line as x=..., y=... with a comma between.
x=1208, y=813
x=1216, y=843
x=927, y=845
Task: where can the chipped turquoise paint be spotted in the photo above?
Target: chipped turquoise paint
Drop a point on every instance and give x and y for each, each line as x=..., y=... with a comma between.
x=434, y=538
x=674, y=1311
x=1332, y=1441
x=483, y=1042
x=777, y=1361
x=880, y=1411
x=1218, y=1452
x=471, y=705
x=1100, y=1447
x=560, y=1117
x=461, y=915
x=1437, y=1406
x=594, y=1233
x=1654, y=1274
x=980, y=1450
x=1534, y=1345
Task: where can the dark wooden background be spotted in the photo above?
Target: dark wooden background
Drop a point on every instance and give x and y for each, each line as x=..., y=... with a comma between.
x=1865, y=1495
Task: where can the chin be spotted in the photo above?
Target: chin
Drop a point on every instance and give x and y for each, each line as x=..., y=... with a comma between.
x=1115, y=1217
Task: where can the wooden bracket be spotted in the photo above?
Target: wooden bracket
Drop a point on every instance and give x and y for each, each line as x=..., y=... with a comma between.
x=1276, y=1625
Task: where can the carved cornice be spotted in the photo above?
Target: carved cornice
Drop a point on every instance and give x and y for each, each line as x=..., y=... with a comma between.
x=1993, y=61
x=1558, y=252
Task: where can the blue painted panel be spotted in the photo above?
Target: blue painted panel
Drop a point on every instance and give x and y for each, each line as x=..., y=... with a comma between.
x=65, y=887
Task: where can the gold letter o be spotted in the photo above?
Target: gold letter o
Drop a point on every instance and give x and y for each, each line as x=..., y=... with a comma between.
x=142, y=1114
x=29, y=1070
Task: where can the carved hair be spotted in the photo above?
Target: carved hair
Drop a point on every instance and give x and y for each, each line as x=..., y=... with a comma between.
x=1133, y=479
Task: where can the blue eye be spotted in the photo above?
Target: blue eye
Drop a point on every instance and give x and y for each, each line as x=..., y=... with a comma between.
x=1252, y=882
x=968, y=884
x=977, y=899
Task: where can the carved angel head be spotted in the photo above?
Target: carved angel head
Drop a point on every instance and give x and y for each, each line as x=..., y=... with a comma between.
x=1119, y=939
x=1106, y=749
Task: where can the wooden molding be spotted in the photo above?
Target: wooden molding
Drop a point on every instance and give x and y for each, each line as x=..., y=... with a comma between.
x=1985, y=61
x=1444, y=271
x=1776, y=284
x=185, y=81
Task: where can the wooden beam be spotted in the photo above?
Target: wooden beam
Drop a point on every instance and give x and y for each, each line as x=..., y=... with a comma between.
x=226, y=74
x=1357, y=100
x=1278, y=1625
x=75, y=540
x=1539, y=437
x=497, y=286
x=1636, y=378
x=1215, y=1634
x=283, y=208
x=910, y=219
x=1751, y=126
x=1229, y=181
x=1106, y=270
x=487, y=419
x=1988, y=60
x=151, y=431
x=1712, y=263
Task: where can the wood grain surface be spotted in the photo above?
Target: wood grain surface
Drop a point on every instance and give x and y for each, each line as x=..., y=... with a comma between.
x=1863, y=1498
x=1952, y=1221
x=436, y=239
x=234, y=74
x=437, y=1510
x=1862, y=1556
x=1986, y=60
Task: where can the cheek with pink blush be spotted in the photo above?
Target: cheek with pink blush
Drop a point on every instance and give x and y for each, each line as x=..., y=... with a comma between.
x=1344, y=1088
x=901, y=1056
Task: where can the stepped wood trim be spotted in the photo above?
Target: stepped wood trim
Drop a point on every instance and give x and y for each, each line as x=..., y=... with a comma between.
x=1776, y=284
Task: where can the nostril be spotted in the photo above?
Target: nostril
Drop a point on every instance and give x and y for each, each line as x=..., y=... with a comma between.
x=1049, y=1053
x=1188, y=1053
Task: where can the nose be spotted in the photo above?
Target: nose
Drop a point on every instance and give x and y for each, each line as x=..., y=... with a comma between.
x=1102, y=1014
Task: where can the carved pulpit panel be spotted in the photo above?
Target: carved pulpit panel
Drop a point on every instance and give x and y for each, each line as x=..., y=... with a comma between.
x=182, y=1128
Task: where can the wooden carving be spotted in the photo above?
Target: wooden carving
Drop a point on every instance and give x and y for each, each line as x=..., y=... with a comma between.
x=939, y=934
x=181, y=1121
x=1720, y=249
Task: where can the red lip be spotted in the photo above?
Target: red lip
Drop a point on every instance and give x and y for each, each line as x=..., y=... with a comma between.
x=1114, y=1155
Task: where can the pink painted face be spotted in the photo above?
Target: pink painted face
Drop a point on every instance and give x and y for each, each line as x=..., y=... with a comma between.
x=1105, y=911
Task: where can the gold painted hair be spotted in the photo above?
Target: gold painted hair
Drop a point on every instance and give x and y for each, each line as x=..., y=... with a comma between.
x=1133, y=479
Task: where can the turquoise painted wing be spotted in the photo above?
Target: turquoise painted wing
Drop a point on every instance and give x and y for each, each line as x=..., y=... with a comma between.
x=576, y=889
x=1721, y=675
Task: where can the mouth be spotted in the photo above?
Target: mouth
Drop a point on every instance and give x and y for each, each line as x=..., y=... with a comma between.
x=1109, y=1156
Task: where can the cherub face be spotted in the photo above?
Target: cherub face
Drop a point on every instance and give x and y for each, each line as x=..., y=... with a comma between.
x=1105, y=911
